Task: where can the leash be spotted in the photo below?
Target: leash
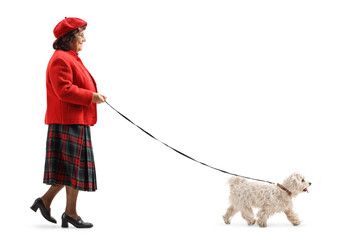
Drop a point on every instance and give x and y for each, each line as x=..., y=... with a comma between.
x=183, y=154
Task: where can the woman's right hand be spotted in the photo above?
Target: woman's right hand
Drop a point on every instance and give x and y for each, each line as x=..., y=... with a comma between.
x=98, y=98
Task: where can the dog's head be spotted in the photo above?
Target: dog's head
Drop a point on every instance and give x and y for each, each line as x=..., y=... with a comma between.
x=296, y=184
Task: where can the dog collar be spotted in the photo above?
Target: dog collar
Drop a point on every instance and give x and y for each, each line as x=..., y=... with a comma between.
x=284, y=188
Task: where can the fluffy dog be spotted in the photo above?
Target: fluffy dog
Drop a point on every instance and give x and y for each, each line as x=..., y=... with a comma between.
x=270, y=199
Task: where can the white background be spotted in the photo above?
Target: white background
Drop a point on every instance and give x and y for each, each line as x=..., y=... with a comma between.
x=260, y=88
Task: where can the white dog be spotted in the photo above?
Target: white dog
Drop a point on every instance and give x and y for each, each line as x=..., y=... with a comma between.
x=270, y=199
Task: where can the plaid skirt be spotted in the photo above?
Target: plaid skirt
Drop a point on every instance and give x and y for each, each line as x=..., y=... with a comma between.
x=69, y=157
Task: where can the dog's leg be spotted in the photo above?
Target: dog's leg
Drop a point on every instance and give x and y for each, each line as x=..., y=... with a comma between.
x=231, y=211
x=248, y=214
x=262, y=216
x=292, y=216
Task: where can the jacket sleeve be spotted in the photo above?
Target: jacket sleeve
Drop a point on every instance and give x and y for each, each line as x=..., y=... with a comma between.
x=61, y=78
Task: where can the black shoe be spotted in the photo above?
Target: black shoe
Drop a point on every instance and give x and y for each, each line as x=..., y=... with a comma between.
x=76, y=223
x=46, y=214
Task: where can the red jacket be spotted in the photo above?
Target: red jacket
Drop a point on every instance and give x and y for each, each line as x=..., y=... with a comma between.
x=69, y=87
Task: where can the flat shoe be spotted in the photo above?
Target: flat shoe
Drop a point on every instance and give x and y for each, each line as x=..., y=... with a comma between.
x=44, y=212
x=79, y=223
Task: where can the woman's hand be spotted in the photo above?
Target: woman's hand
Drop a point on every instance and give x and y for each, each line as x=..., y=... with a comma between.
x=98, y=98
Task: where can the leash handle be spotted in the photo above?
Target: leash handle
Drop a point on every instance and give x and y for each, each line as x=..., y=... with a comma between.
x=183, y=154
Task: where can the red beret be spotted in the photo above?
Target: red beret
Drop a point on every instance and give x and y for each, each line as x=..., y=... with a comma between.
x=67, y=25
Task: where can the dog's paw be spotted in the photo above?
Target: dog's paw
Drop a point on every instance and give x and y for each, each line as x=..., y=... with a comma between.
x=226, y=220
x=296, y=223
x=251, y=222
x=261, y=223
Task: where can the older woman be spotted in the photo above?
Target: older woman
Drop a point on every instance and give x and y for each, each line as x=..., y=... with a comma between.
x=71, y=110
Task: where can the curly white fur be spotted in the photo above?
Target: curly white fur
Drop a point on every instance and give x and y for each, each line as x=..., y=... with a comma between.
x=270, y=199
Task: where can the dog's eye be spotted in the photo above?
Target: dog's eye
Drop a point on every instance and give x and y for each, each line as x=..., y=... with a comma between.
x=303, y=180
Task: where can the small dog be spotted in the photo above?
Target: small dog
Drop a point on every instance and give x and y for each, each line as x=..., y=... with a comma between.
x=270, y=199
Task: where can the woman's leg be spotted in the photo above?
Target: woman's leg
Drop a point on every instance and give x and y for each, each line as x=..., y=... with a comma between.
x=71, y=197
x=70, y=215
x=50, y=195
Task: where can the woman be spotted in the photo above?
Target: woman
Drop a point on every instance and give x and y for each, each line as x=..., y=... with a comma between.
x=71, y=110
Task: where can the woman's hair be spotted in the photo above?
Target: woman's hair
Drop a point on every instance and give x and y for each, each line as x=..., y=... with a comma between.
x=64, y=42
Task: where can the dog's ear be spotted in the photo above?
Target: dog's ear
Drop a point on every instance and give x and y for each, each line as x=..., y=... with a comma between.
x=296, y=177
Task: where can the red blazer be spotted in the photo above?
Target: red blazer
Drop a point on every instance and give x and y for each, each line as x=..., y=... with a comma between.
x=69, y=87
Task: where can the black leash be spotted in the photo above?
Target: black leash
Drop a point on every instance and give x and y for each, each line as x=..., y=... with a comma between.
x=184, y=153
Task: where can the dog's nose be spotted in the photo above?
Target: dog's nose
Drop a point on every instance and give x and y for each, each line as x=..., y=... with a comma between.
x=309, y=183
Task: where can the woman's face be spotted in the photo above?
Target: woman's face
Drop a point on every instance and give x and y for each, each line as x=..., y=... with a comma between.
x=78, y=43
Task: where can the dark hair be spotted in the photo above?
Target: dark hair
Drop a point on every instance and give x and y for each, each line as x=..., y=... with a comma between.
x=64, y=42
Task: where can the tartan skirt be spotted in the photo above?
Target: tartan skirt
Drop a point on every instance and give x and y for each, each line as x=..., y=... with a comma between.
x=69, y=157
